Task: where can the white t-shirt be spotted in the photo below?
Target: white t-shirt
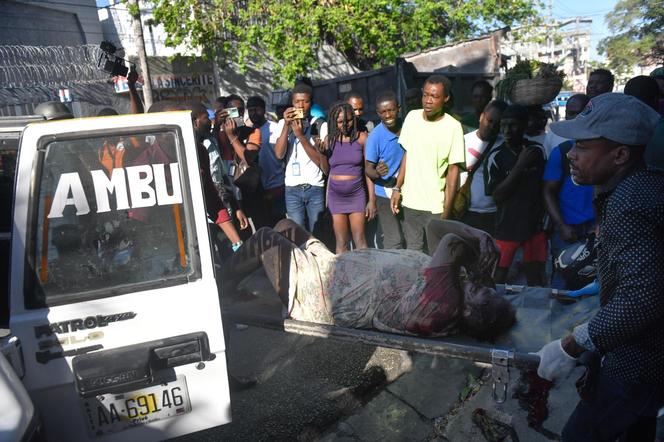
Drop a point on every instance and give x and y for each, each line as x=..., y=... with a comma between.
x=479, y=200
x=299, y=167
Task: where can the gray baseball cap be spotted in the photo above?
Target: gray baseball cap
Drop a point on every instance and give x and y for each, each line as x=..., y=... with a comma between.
x=53, y=110
x=614, y=116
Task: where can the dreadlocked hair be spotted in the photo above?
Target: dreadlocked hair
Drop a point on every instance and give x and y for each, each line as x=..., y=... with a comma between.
x=334, y=135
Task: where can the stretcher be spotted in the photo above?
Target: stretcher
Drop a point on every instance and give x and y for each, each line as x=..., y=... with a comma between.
x=543, y=314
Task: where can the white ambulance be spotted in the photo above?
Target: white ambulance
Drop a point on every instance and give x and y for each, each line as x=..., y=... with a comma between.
x=115, y=328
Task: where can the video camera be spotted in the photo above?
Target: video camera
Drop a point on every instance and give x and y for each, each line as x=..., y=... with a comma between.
x=111, y=63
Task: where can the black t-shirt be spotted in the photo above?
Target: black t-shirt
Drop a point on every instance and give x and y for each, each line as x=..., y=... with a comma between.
x=518, y=217
x=365, y=125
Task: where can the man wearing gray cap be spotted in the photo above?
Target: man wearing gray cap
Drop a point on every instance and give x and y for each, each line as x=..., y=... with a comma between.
x=622, y=396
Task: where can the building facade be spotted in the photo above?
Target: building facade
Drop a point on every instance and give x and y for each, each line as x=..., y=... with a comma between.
x=564, y=43
x=48, y=51
x=191, y=77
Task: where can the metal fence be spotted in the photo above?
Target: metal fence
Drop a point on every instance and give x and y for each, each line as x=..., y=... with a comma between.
x=33, y=74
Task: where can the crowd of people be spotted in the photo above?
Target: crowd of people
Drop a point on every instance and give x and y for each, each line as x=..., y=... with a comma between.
x=356, y=184
x=454, y=192
x=516, y=185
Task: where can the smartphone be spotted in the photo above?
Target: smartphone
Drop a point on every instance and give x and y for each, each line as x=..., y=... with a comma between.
x=233, y=112
x=298, y=113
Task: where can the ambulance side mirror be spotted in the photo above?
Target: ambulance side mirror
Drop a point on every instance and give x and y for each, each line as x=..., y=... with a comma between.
x=13, y=352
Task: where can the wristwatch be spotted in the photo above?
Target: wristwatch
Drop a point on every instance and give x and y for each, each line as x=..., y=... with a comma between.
x=396, y=189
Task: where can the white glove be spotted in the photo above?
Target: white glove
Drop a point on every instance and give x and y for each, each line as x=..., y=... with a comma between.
x=555, y=363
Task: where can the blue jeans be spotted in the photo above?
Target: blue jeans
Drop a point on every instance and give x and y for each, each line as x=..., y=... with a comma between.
x=305, y=200
x=615, y=409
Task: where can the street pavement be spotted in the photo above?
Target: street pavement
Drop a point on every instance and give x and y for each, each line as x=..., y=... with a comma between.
x=314, y=389
x=305, y=385
x=435, y=401
x=318, y=389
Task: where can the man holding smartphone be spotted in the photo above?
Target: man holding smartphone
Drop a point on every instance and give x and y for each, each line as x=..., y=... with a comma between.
x=305, y=163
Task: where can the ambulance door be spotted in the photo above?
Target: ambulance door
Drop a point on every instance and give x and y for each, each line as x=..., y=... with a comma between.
x=113, y=296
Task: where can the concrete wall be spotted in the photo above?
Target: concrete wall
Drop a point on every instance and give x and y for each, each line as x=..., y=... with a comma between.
x=26, y=27
x=25, y=24
x=85, y=12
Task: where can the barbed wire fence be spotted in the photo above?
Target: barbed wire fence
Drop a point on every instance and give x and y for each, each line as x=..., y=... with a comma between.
x=33, y=74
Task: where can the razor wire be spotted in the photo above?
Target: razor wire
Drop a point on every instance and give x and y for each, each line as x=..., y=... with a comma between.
x=35, y=73
x=13, y=55
x=27, y=66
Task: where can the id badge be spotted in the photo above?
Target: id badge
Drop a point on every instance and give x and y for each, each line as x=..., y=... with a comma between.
x=296, y=168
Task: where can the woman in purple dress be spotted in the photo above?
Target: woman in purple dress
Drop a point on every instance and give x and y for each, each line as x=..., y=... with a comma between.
x=350, y=194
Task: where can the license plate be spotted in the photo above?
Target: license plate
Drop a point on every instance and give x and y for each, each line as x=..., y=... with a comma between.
x=109, y=413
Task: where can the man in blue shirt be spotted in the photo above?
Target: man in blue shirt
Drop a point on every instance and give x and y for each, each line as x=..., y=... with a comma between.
x=570, y=206
x=383, y=156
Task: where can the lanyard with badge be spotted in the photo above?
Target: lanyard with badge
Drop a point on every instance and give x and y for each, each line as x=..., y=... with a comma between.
x=295, y=165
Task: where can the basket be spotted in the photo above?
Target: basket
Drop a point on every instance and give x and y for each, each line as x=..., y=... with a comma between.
x=535, y=91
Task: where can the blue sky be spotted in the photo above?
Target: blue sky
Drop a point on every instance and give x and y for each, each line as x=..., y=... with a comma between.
x=594, y=9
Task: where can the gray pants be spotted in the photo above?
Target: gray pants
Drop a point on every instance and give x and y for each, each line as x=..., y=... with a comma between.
x=390, y=224
x=414, y=223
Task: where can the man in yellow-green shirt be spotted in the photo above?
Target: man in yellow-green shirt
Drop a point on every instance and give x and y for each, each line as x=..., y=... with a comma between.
x=429, y=172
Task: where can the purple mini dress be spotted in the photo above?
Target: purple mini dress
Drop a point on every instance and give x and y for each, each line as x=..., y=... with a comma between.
x=347, y=196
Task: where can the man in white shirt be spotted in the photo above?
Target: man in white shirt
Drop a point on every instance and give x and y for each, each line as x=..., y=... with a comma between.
x=306, y=165
x=481, y=213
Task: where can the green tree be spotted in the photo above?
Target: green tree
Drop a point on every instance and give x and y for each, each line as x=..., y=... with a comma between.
x=370, y=33
x=638, y=28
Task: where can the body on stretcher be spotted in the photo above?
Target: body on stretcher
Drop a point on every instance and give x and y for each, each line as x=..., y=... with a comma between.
x=543, y=314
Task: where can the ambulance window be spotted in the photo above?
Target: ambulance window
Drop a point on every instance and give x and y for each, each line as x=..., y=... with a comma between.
x=111, y=217
x=8, y=150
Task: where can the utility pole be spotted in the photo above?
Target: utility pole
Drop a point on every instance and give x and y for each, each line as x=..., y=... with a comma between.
x=216, y=73
x=549, y=37
x=135, y=12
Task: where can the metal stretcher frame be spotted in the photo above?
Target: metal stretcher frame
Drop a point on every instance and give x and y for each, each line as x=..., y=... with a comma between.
x=452, y=347
x=499, y=357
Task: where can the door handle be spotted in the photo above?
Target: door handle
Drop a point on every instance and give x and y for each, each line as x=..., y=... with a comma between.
x=139, y=365
x=178, y=354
